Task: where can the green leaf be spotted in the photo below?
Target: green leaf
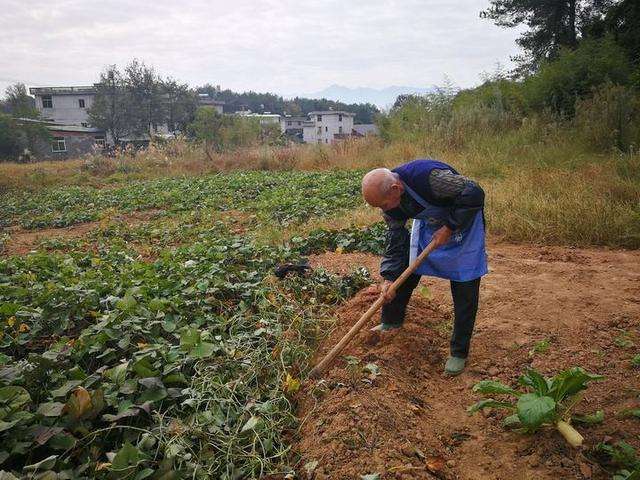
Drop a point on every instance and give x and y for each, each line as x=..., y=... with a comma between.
x=117, y=374
x=61, y=441
x=189, y=338
x=126, y=303
x=144, y=368
x=147, y=472
x=534, y=410
x=125, y=460
x=8, y=425
x=488, y=403
x=569, y=382
x=511, y=421
x=51, y=409
x=64, y=390
x=176, y=378
x=491, y=387
x=11, y=399
x=156, y=304
x=630, y=412
x=590, y=419
x=46, y=464
x=534, y=380
x=168, y=326
x=155, y=390
x=202, y=350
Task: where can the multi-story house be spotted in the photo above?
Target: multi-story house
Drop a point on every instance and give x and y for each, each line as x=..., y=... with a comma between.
x=328, y=126
x=325, y=126
x=64, y=105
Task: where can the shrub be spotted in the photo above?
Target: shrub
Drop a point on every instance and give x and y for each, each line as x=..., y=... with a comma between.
x=610, y=118
x=574, y=74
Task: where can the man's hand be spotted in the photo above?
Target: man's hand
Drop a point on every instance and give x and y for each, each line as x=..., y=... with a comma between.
x=386, y=292
x=441, y=236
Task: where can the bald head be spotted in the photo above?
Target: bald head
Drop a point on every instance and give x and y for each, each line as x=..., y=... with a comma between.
x=382, y=188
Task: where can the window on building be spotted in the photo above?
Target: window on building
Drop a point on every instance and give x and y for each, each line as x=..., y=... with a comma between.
x=81, y=102
x=326, y=140
x=299, y=123
x=47, y=101
x=326, y=129
x=289, y=123
x=319, y=130
x=340, y=117
x=100, y=141
x=340, y=129
x=84, y=124
x=58, y=145
x=319, y=118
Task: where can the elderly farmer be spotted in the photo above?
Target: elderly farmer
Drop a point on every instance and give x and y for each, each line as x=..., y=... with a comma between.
x=446, y=208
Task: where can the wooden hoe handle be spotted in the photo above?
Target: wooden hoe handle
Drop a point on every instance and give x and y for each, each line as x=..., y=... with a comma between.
x=369, y=313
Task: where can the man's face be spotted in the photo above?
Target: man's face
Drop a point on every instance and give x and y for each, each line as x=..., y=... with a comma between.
x=390, y=200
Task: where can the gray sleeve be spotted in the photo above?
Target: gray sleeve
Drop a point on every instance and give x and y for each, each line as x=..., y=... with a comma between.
x=465, y=195
x=445, y=184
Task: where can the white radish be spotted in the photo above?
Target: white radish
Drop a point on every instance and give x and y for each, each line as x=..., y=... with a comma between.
x=570, y=434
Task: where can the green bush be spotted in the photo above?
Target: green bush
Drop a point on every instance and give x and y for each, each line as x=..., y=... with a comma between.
x=222, y=132
x=610, y=118
x=574, y=74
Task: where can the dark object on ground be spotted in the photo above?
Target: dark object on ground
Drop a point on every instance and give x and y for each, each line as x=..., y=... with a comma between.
x=300, y=268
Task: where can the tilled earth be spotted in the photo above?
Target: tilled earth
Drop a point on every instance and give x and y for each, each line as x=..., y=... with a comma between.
x=385, y=406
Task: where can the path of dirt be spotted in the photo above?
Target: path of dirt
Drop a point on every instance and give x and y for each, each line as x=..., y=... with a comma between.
x=22, y=241
x=410, y=421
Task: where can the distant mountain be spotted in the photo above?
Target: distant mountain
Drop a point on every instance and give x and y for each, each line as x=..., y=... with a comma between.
x=383, y=98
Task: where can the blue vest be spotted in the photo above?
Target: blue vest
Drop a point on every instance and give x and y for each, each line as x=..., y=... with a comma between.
x=463, y=257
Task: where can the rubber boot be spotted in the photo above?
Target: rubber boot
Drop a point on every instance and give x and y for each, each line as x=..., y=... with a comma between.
x=454, y=366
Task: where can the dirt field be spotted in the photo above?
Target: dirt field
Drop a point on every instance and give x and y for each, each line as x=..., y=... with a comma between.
x=409, y=422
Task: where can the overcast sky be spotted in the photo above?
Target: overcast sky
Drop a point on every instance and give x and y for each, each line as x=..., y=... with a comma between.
x=280, y=46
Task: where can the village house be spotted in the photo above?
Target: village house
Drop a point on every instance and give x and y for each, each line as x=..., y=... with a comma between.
x=328, y=126
x=64, y=105
x=64, y=112
x=67, y=141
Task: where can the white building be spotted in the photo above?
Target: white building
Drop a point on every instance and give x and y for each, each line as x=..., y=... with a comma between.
x=64, y=105
x=328, y=126
x=265, y=118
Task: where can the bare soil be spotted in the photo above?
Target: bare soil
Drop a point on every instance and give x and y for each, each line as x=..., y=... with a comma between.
x=410, y=421
x=22, y=241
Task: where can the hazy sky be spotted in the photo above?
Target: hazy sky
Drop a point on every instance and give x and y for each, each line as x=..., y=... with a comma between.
x=281, y=46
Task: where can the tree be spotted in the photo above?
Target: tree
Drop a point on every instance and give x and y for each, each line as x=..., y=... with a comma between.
x=145, y=92
x=18, y=102
x=268, y=102
x=111, y=108
x=623, y=21
x=181, y=105
x=17, y=138
x=552, y=24
x=575, y=74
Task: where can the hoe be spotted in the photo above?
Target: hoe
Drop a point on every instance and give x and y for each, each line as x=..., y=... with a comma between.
x=319, y=368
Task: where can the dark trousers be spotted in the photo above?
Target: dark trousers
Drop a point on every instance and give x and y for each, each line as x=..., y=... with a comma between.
x=465, y=306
